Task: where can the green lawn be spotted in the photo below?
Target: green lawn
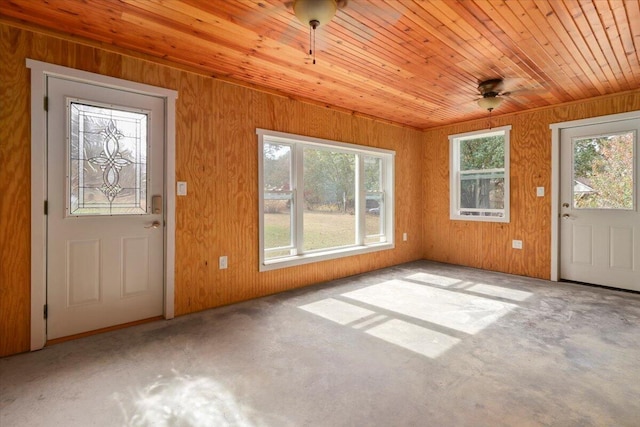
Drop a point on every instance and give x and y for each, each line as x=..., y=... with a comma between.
x=322, y=229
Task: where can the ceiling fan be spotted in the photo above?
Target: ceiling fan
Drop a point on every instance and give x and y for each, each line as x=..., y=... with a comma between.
x=315, y=13
x=492, y=92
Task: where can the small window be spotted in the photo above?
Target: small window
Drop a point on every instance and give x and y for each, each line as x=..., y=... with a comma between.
x=322, y=199
x=479, y=174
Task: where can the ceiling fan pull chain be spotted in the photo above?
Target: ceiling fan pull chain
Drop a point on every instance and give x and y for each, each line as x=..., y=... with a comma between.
x=313, y=24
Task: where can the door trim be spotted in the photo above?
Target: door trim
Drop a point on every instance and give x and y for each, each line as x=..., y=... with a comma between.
x=556, y=129
x=39, y=73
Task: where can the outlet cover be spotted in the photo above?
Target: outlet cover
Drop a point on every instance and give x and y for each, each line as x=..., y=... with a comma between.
x=540, y=191
x=516, y=244
x=223, y=262
x=404, y=237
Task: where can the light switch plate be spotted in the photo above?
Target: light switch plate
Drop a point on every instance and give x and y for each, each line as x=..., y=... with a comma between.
x=182, y=188
x=540, y=191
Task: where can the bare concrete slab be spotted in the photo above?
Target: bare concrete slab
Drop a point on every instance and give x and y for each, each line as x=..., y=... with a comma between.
x=421, y=344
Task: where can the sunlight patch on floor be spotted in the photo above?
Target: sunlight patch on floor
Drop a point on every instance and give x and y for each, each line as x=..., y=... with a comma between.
x=434, y=279
x=448, y=308
x=454, y=310
x=413, y=337
x=337, y=311
x=499, y=291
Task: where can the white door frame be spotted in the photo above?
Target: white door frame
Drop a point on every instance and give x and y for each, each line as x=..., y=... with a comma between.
x=39, y=73
x=556, y=129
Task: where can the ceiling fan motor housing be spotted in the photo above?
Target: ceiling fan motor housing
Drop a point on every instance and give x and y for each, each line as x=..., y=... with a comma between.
x=491, y=88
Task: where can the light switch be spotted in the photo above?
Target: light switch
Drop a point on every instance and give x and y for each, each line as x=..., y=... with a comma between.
x=540, y=191
x=182, y=188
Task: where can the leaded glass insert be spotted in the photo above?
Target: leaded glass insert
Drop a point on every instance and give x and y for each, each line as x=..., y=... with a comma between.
x=107, y=160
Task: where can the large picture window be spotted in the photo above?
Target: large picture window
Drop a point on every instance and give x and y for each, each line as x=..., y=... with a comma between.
x=322, y=199
x=479, y=174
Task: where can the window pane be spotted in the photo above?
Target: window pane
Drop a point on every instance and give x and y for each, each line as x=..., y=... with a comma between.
x=329, y=199
x=108, y=161
x=482, y=190
x=482, y=153
x=278, y=224
x=372, y=173
x=479, y=187
x=603, y=172
x=373, y=219
x=277, y=167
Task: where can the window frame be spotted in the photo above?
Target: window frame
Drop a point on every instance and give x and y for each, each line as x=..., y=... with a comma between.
x=297, y=144
x=455, y=176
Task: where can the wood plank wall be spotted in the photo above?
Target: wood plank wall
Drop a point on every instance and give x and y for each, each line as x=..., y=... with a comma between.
x=488, y=245
x=216, y=154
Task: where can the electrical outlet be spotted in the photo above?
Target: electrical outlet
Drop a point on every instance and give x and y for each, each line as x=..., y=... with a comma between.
x=223, y=262
x=516, y=244
x=540, y=191
x=404, y=237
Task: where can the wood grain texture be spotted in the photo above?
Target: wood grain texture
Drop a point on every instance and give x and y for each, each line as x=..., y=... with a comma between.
x=412, y=62
x=15, y=204
x=488, y=245
x=216, y=153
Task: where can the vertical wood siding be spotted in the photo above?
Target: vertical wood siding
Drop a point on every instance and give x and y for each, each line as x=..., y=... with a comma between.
x=487, y=245
x=216, y=153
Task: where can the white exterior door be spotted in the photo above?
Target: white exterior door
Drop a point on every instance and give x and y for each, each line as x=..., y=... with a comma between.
x=600, y=222
x=105, y=221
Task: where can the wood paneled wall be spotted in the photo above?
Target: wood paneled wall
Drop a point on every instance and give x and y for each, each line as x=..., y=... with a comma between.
x=488, y=245
x=216, y=154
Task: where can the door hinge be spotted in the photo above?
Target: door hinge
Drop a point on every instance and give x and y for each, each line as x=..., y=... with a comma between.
x=46, y=207
x=45, y=310
x=46, y=103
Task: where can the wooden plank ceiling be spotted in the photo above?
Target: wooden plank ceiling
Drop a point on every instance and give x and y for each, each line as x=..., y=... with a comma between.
x=416, y=63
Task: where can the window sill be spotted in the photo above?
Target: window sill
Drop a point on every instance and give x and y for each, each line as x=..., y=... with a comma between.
x=479, y=218
x=285, y=262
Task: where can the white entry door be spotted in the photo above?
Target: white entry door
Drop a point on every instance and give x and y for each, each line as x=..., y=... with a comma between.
x=600, y=222
x=105, y=220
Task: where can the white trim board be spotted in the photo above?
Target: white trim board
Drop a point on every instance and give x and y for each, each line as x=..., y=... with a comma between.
x=556, y=129
x=39, y=73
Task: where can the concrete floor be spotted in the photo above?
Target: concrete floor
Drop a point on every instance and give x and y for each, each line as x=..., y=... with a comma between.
x=422, y=344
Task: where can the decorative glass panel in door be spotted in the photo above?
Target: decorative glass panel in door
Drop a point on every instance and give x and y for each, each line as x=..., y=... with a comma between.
x=107, y=155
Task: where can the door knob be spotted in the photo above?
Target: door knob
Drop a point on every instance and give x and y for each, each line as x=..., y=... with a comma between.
x=566, y=216
x=565, y=205
x=154, y=224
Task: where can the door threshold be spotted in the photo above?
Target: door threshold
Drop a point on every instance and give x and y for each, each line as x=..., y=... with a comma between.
x=101, y=330
x=593, y=285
